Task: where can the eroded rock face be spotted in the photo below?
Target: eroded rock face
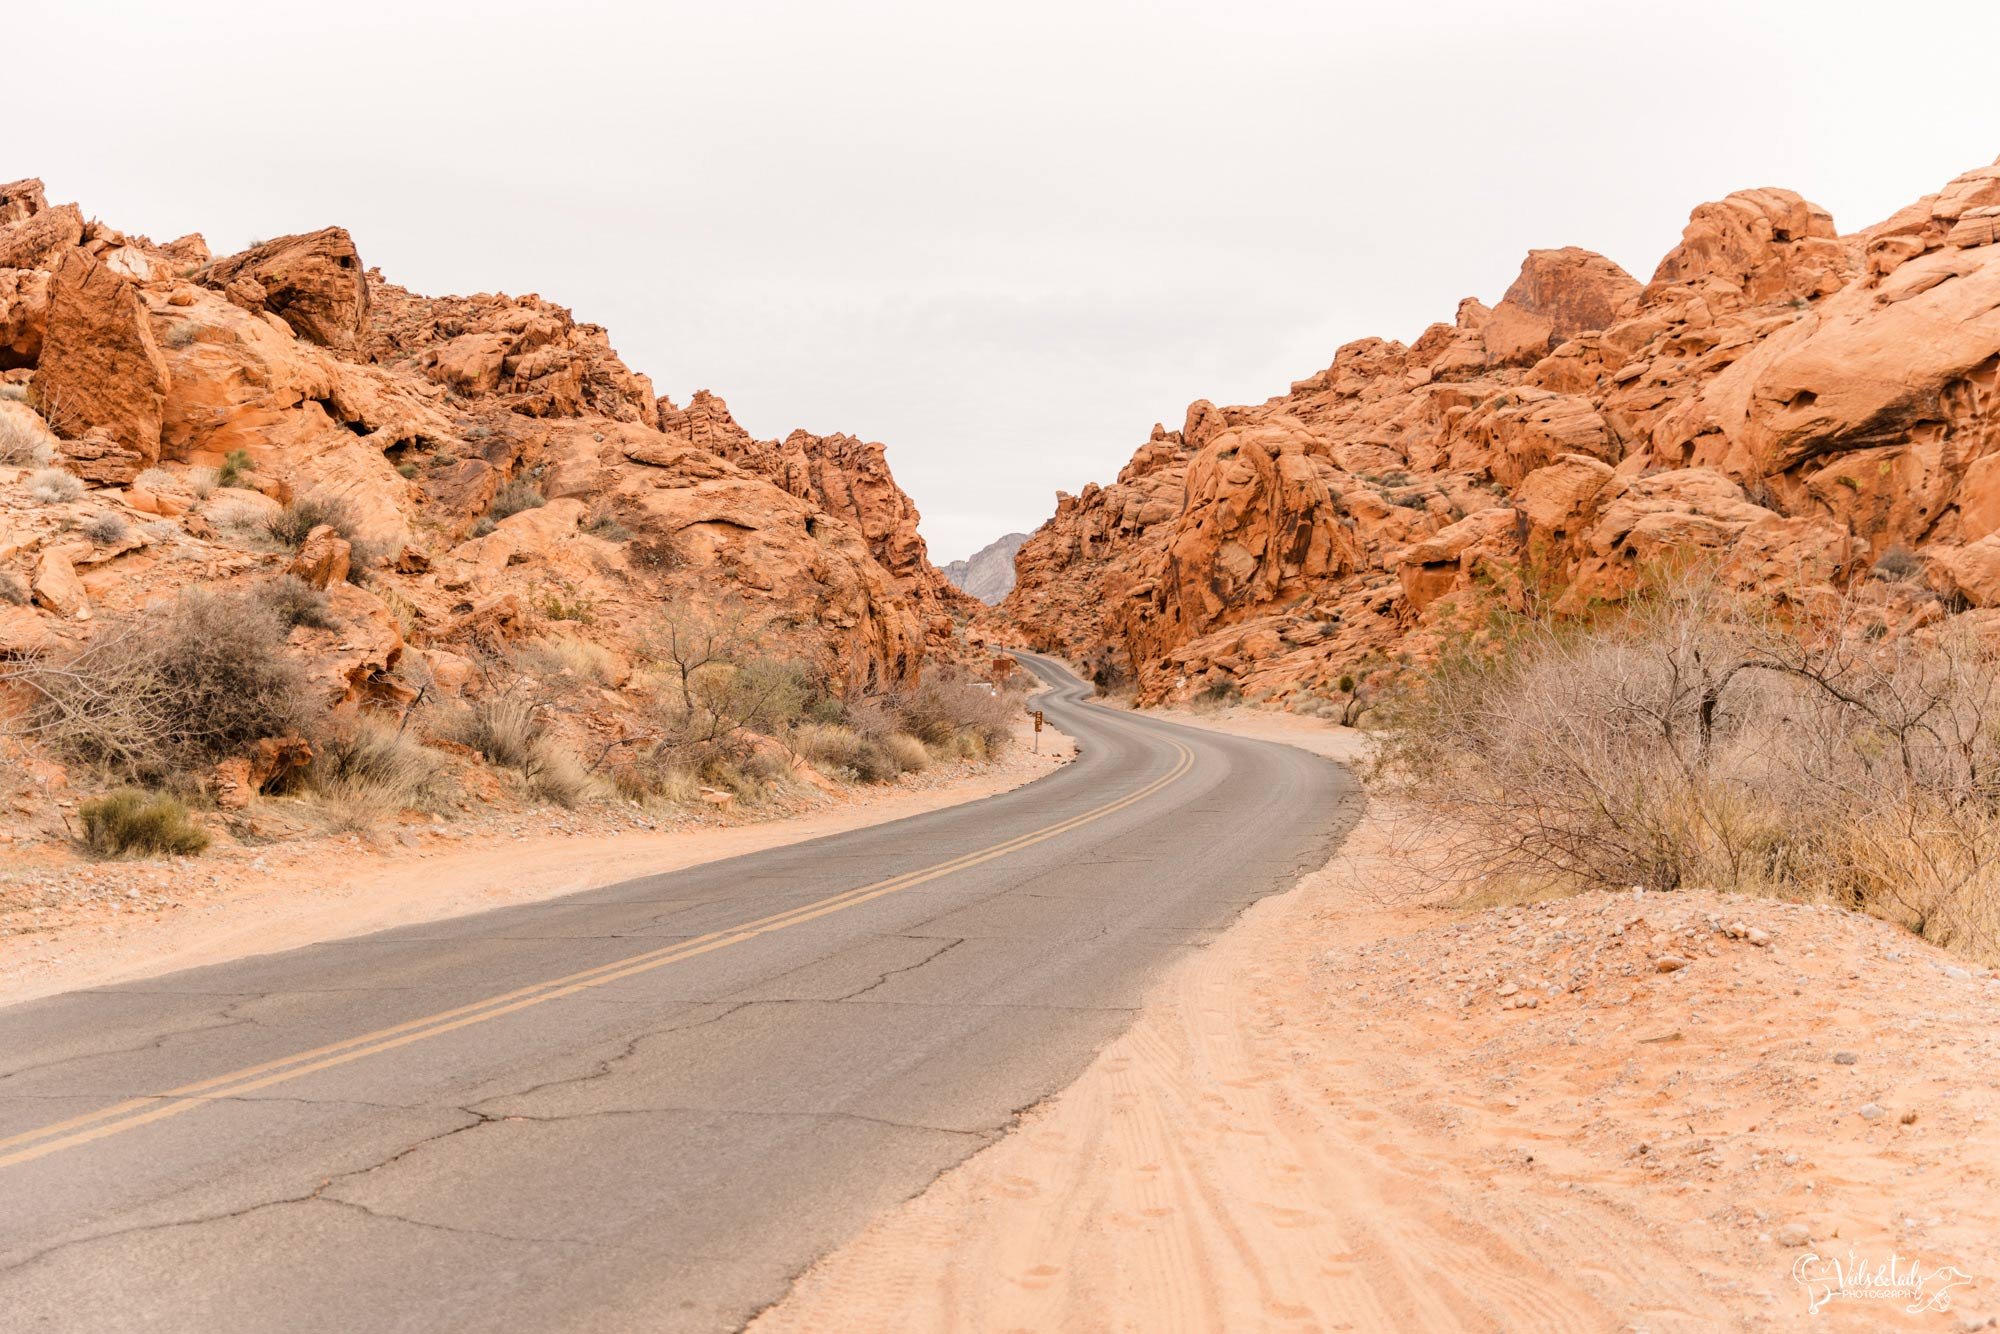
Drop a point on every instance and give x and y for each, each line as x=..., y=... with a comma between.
x=313, y=282
x=1791, y=402
x=307, y=378
x=101, y=379
x=845, y=477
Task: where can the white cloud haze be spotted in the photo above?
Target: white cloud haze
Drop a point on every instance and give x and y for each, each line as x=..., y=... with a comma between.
x=1004, y=241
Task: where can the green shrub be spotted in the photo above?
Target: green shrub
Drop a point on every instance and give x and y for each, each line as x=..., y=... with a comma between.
x=135, y=823
x=236, y=464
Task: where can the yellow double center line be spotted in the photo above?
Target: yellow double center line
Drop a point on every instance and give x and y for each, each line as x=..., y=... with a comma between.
x=141, y=1111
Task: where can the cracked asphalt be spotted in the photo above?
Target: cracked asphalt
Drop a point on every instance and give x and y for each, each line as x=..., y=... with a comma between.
x=658, y=1148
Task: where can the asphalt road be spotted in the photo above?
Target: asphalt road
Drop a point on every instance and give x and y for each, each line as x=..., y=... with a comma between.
x=643, y=1107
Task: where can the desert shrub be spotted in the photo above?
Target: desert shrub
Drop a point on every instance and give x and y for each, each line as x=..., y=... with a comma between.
x=1696, y=741
x=555, y=775
x=107, y=529
x=156, y=480
x=183, y=333
x=513, y=498
x=840, y=751
x=12, y=589
x=552, y=655
x=947, y=704
x=203, y=481
x=22, y=444
x=504, y=727
x=236, y=465
x=907, y=752
x=641, y=781
x=511, y=730
x=53, y=486
x=603, y=522
x=369, y=767
x=1897, y=562
x=238, y=515
x=169, y=691
x=295, y=602
x=135, y=823
x=291, y=525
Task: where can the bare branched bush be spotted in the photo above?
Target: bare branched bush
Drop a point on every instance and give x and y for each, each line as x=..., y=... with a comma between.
x=948, y=704
x=162, y=694
x=1697, y=741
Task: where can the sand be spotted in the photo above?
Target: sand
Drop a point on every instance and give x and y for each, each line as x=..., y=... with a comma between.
x=1356, y=1111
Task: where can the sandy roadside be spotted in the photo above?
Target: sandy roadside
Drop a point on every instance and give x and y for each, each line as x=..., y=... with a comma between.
x=1353, y=1112
x=117, y=922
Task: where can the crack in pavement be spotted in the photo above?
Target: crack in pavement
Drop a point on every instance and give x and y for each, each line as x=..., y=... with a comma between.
x=951, y=943
x=152, y=1043
x=606, y=1065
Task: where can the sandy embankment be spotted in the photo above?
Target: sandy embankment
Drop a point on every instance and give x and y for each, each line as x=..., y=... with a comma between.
x=98, y=923
x=1353, y=1112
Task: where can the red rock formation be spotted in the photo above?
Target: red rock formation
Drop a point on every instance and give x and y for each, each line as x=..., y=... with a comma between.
x=314, y=378
x=313, y=283
x=101, y=379
x=1787, y=400
x=849, y=479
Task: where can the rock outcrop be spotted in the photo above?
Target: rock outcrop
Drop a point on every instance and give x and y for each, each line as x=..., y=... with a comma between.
x=1794, y=404
x=101, y=379
x=485, y=473
x=988, y=573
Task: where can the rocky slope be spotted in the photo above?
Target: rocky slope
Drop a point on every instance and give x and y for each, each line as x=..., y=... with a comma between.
x=988, y=573
x=196, y=396
x=1801, y=405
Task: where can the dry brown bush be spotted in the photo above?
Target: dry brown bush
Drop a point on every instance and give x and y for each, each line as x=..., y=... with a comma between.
x=1697, y=740
x=165, y=693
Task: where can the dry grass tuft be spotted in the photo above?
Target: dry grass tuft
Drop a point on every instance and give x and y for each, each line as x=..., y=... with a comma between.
x=134, y=823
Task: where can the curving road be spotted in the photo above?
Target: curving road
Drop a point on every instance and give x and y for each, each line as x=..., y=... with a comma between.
x=646, y=1106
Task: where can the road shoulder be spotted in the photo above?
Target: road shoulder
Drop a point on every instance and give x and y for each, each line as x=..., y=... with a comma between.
x=143, y=920
x=1340, y=1116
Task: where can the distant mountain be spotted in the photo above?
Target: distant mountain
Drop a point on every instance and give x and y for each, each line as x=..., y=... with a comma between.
x=988, y=574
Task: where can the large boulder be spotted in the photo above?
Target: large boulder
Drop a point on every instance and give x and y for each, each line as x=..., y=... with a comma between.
x=101, y=369
x=1755, y=246
x=33, y=235
x=313, y=282
x=1558, y=294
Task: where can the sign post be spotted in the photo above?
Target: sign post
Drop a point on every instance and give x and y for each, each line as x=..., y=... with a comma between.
x=1038, y=731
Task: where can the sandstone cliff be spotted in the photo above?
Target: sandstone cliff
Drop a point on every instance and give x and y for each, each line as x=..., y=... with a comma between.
x=1802, y=406
x=502, y=475
x=988, y=573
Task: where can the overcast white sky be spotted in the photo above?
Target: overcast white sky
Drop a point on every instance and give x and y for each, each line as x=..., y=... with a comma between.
x=1002, y=239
